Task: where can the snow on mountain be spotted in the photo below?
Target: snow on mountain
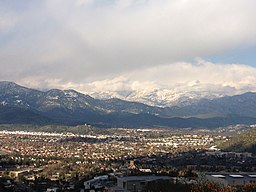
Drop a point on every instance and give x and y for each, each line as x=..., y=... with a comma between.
x=157, y=95
x=163, y=97
x=71, y=93
x=3, y=103
x=23, y=105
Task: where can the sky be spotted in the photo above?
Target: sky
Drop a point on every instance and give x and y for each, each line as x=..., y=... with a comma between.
x=113, y=45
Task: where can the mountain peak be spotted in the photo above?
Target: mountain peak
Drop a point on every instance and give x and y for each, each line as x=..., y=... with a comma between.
x=8, y=83
x=54, y=92
x=72, y=107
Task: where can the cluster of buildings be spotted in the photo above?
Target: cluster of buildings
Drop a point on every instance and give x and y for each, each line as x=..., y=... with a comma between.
x=67, y=157
x=105, y=147
x=113, y=183
x=229, y=178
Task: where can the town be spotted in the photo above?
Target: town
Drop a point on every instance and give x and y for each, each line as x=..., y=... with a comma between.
x=41, y=161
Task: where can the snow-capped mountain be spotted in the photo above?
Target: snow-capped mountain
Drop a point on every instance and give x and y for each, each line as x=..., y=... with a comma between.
x=179, y=96
x=24, y=105
x=161, y=95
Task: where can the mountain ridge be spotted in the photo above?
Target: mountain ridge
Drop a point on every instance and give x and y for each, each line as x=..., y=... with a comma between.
x=70, y=107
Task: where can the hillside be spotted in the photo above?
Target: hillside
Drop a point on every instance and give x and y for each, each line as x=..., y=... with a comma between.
x=21, y=105
x=245, y=142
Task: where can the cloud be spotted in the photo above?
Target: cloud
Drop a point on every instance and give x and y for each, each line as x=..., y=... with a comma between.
x=200, y=76
x=6, y=24
x=61, y=42
x=183, y=74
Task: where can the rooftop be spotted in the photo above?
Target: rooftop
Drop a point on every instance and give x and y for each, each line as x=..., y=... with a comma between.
x=144, y=178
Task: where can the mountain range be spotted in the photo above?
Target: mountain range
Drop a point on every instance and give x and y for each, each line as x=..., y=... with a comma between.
x=21, y=105
x=181, y=95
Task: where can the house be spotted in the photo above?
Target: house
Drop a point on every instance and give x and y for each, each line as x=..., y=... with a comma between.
x=95, y=182
x=53, y=189
x=225, y=178
x=18, y=173
x=139, y=183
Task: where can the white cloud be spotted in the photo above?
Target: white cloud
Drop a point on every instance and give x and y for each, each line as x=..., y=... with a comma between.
x=84, y=2
x=132, y=44
x=201, y=76
x=8, y=21
x=6, y=24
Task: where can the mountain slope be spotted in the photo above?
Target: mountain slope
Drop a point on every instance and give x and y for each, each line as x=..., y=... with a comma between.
x=15, y=95
x=15, y=115
x=23, y=105
x=245, y=142
x=167, y=97
x=241, y=105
